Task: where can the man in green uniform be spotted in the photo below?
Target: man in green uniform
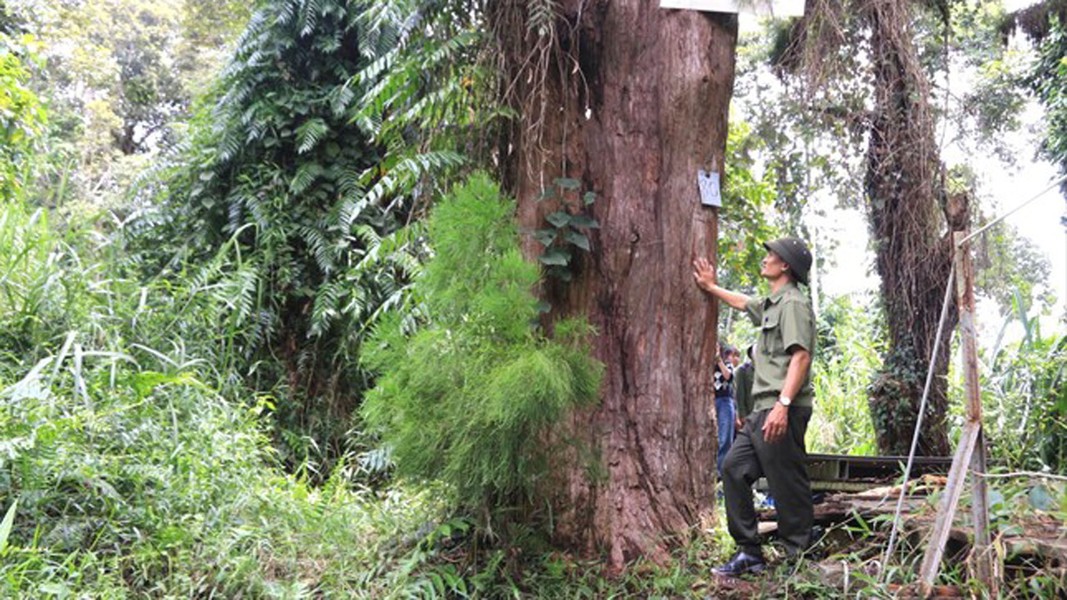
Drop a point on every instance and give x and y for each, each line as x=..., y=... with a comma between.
x=743, y=390
x=771, y=443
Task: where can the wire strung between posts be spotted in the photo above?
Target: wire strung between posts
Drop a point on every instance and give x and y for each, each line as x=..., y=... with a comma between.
x=1012, y=211
x=918, y=424
x=1026, y=474
x=930, y=374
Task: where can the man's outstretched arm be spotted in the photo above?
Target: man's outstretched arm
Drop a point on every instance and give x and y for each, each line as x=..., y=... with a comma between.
x=704, y=273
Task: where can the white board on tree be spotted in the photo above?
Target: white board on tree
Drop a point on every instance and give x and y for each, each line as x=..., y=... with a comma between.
x=767, y=8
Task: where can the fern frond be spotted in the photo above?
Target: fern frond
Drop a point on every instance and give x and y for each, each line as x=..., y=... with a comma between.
x=229, y=147
x=287, y=10
x=326, y=307
x=340, y=98
x=351, y=209
x=309, y=16
x=310, y=133
x=404, y=175
x=319, y=246
x=541, y=16
x=305, y=176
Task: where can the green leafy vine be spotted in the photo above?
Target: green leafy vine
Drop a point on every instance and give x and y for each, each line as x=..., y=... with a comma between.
x=567, y=228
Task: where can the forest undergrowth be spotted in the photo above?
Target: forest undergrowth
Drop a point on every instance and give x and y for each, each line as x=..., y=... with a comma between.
x=134, y=464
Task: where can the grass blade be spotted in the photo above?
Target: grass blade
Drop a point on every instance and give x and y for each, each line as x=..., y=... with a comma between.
x=5, y=525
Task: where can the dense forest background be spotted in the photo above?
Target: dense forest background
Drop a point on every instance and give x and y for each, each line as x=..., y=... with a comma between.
x=274, y=321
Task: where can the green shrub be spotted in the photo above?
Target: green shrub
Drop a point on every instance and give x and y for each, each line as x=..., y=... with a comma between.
x=328, y=129
x=125, y=470
x=468, y=396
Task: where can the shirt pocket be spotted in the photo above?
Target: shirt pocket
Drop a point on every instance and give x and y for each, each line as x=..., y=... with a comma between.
x=771, y=333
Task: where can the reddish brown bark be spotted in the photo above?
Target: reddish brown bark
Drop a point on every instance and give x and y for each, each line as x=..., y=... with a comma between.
x=657, y=86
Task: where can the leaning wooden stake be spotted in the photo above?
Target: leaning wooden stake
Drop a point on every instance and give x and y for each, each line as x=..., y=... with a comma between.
x=983, y=558
x=970, y=454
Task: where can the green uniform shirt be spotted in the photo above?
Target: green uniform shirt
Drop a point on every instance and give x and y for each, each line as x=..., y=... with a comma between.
x=743, y=389
x=785, y=320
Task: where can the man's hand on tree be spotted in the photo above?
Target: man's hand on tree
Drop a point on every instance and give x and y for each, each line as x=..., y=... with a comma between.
x=704, y=273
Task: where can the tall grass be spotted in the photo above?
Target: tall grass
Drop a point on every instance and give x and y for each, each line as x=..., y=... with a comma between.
x=1024, y=396
x=1024, y=388
x=130, y=463
x=849, y=353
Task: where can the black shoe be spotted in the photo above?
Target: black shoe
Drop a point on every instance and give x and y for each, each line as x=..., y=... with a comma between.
x=741, y=564
x=812, y=549
x=818, y=532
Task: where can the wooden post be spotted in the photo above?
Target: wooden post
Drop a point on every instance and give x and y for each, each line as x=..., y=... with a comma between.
x=969, y=345
x=946, y=511
x=984, y=567
x=971, y=451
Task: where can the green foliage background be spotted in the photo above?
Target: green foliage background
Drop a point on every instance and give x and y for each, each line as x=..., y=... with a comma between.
x=302, y=161
x=22, y=115
x=1048, y=80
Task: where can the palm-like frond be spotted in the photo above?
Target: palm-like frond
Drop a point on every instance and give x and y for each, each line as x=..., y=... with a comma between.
x=333, y=124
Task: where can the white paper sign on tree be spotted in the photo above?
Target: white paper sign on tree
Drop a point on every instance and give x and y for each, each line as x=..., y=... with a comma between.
x=767, y=8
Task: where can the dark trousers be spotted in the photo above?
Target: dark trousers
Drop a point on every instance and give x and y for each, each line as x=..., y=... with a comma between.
x=784, y=464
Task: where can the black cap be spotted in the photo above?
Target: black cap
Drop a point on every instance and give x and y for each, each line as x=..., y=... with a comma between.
x=795, y=253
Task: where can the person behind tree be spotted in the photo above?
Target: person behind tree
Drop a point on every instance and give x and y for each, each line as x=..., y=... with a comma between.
x=743, y=390
x=724, y=401
x=771, y=441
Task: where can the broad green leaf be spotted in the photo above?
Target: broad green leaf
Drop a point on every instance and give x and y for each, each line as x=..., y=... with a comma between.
x=556, y=256
x=578, y=239
x=545, y=236
x=559, y=218
x=584, y=221
x=1041, y=499
x=589, y=198
x=568, y=183
x=561, y=273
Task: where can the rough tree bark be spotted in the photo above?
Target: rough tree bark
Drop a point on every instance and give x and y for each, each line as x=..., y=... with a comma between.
x=631, y=100
x=913, y=249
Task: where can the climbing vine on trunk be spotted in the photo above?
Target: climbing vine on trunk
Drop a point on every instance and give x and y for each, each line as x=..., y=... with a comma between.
x=907, y=209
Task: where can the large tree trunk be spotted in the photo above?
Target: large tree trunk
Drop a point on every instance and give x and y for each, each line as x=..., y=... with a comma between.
x=631, y=100
x=913, y=253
